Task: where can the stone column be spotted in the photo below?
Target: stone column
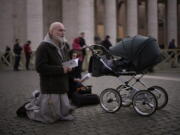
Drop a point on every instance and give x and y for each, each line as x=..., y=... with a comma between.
x=152, y=15
x=172, y=20
x=86, y=19
x=86, y=24
x=132, y=17
x=70, y=19
x=110, y=20
x=7, y=17
x=35, y=22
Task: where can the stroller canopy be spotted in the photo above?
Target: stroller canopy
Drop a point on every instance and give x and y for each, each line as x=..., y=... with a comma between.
x=141, y=51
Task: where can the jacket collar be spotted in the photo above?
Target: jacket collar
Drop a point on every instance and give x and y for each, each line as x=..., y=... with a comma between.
x=47, y=39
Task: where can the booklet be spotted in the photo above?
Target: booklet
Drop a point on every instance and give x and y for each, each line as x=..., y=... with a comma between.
x=85, y=77
x=71, y=63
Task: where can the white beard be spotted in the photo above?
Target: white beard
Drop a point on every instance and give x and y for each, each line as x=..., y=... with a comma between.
x=61, y=39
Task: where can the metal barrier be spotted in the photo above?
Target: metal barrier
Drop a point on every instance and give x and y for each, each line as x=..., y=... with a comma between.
x=172, y=59
x=7, y=61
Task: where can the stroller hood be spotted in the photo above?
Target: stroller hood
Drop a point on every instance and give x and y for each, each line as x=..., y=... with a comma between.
x=141, y=51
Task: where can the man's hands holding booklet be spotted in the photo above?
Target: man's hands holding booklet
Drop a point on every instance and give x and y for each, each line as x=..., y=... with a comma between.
x=67, y=69
x=68, y=65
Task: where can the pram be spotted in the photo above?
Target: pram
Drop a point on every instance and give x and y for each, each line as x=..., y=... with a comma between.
x=133, y=56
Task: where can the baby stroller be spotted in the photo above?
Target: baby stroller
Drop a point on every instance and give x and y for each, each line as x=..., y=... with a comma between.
x=134, y=57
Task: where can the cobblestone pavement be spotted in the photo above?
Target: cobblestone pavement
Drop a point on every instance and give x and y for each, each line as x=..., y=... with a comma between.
x=16, y=88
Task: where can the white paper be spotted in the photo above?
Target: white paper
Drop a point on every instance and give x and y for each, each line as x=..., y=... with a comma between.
x=71, y=63
x=85, y=77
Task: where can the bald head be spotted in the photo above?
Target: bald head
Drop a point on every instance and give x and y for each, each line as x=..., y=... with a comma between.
x=56, y=30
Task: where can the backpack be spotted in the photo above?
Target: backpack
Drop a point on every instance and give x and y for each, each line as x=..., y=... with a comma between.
x=85, y=99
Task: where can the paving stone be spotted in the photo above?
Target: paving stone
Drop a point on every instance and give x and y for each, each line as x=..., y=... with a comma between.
x=16, y=88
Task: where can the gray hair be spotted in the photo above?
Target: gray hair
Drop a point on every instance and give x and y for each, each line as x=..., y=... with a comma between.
x=55, y=24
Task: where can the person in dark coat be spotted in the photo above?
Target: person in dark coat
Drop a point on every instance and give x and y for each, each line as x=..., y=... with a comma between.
x=27, y=52
x=79, y=94
x=52, y=103
x=172, y=53
x=106, y=42
x=172, y=44
x=17, y=51
x=75, y=76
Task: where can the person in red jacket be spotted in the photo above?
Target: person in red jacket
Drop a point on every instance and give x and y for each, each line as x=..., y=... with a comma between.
x=77, y=48
x=27, y=52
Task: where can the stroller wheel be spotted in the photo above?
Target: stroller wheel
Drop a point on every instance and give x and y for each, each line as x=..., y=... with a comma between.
x=125, y=93
x=161, y=96
x=110, y=100
x=144, y=103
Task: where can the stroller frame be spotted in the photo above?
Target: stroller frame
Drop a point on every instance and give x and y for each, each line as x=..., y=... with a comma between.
x=145, y=102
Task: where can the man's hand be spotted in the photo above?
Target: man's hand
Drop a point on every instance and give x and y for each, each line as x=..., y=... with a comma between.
x=67, y=69
x=77, y=80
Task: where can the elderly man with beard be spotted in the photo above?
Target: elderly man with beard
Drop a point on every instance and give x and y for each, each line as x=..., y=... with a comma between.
x=52, y=104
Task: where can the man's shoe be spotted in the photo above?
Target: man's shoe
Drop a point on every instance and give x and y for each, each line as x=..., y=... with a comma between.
x=21, y=112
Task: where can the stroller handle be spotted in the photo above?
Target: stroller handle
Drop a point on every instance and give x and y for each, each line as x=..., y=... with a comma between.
x=93, y=47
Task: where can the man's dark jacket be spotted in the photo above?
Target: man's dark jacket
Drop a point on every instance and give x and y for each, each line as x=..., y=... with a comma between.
x=106, y=43
x=49, y=66
x=17, y=49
